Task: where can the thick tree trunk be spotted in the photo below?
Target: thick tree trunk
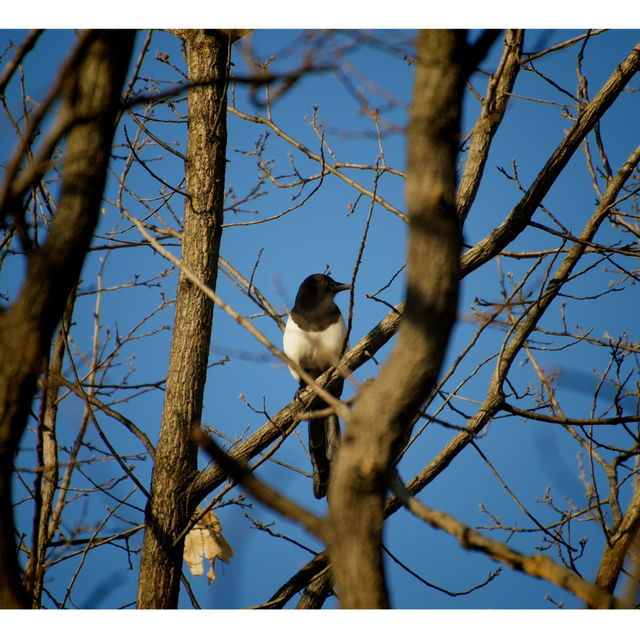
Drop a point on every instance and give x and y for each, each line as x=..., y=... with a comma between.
x=384, y=408
x=618, y=545
x=91, y=100
x=176, y=461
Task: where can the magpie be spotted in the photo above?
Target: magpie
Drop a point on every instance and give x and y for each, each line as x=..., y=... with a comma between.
x=314, y=339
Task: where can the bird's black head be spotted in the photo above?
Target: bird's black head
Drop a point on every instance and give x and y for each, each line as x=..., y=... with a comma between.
x=318, y=287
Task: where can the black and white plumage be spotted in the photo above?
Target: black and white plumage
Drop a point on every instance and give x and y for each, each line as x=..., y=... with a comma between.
x=314, y=339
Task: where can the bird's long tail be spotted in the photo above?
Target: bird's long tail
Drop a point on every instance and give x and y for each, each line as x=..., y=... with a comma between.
x=324, y=437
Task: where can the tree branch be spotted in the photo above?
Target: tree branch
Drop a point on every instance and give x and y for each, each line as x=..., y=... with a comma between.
x=257, y=488
x=26, y=329
x=384, y=408
x=536, y=565
x=494, y=107
x=519, y=217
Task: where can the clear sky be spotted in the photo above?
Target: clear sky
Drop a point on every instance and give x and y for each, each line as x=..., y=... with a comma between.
x=326, y=232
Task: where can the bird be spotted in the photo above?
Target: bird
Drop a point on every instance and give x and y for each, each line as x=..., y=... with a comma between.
x=314, y=338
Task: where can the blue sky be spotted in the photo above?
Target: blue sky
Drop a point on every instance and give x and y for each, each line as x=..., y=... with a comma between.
x=325, y=232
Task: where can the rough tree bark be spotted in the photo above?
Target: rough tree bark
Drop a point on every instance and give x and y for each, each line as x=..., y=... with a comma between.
x=494, y=108
x=91, y=98
x=176, y=460
x=618, y=545
x=384, y=408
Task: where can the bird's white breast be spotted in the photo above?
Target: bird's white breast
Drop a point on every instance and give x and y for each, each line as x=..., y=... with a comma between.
x=314, y=349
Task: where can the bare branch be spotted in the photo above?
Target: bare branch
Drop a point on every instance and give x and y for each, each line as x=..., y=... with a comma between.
x=536, y=565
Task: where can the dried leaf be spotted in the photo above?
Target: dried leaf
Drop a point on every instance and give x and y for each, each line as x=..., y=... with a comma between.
x=205, y=541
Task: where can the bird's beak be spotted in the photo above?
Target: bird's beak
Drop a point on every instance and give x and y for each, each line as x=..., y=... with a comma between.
x=341, y=287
